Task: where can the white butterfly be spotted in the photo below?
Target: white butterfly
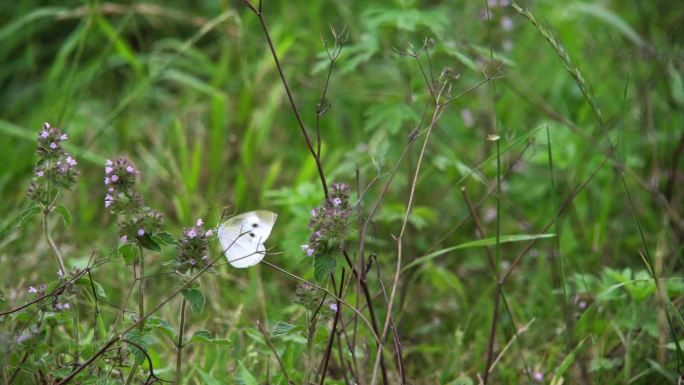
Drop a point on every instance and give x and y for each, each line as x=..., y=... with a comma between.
x=242, y=237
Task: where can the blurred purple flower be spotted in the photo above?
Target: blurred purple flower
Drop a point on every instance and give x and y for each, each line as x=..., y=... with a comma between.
x=141, y=232
x=538, y=376
x=467, y=117
x=507, y=23
x=32, y=289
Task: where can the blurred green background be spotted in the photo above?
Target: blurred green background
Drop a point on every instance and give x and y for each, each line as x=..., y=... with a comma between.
x=189, y=92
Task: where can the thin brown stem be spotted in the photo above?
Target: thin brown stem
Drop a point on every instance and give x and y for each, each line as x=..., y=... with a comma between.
x=180, y=345
x=331, y=339
x=273, y=349
x=258, y=12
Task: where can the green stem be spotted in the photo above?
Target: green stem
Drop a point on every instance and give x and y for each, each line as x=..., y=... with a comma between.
x=51, y=243
x=179, y=344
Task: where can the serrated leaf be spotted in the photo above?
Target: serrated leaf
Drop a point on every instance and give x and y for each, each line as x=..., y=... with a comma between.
x=27, y=214
x=282, y=328
x=147, y=242
x=165, y=237
x=142, y=339
x=323, y=266
x=196, y=299
x=65, y=213
x=129, y=253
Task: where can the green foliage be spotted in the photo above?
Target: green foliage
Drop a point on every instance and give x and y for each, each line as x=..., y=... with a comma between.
x=189, y=92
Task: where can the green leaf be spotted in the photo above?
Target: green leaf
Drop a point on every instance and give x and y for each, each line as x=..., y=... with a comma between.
x=99, y=290
x=147, y=242
x=161, y=325
x=142, y=339
x=202, y=336
x=165, y=237
x=65, y=213
x=245, y=376
x=196, y=299
x=28, y=213
x=323, y=266
x=478, y=243
x=569, y=359
x=129, y=252
x=282, y=328
x=208, y=379
x=609, y=18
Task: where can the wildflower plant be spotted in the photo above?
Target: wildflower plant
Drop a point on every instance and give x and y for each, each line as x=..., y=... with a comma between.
x=329, y=226
x=138, y=225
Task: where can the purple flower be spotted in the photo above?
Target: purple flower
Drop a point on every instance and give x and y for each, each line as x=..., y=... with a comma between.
x=333, y=307
x=582, y=305
x=191, y=233
x=63, y=137
x=336, y=202
x=205, y=258
x=60, y=274
x=310, y=252
x=107, y=204
x=108, y=170
x=304, y=247
x=506, y=23
x=538, y=376
x=114, y=178
x=59, y=306
x=314, y=213
x=66, y=306
x=192, y=262
x=106, y=180
x=124, y=239
x=209, y=233
x=131, y=170
x=32, y=289
x=200, y=222
x=141, y=232
x=40, y=173
x=71, y=161
x=108, y=162
x=53, y=145
x=44, y=134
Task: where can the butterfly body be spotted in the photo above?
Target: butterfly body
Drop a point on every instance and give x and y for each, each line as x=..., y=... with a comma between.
x=242, y=237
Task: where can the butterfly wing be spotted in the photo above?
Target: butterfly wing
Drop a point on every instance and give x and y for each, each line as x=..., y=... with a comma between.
x=257, y=224
x=242, y=237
